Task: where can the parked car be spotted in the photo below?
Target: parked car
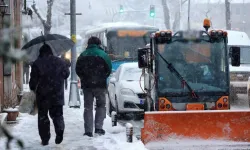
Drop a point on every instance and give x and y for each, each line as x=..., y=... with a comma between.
x=125, y=94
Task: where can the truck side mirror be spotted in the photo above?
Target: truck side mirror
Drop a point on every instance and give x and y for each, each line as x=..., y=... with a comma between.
x=235, y=56
x=142, y=57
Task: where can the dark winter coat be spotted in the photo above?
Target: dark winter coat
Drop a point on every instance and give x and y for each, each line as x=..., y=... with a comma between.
x=93, y=67
x=48, y=74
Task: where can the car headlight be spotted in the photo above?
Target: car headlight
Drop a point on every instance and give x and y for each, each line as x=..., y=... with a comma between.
x=68, y=56
x=127, y=92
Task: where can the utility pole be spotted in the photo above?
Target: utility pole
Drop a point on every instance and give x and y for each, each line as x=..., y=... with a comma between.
x=74, y=97
x=188, y=14
x=228, y=15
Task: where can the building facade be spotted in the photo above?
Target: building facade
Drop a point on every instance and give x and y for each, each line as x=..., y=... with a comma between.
x=10, y=73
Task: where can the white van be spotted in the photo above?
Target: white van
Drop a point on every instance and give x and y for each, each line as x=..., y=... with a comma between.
x=239, y=75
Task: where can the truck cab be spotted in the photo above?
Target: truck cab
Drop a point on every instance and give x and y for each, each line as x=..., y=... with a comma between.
x=188, y=68
x=186, y=76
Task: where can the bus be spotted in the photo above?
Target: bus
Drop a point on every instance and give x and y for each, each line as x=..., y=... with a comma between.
x=121, y=40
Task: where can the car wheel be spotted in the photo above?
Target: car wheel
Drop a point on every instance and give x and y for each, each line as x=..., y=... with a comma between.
x=111, y=107
x=119, y=115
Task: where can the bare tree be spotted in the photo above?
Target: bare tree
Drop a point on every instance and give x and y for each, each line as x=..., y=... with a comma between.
x=228, y=14
x=166, y=13
x=176, y=23
x=209, y=9
x=46, y=22
x=177, y=15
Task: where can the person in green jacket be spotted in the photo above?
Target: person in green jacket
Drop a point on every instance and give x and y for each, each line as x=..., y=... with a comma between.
x=93, y=67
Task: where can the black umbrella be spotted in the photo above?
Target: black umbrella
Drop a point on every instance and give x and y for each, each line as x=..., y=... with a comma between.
x=58, y=43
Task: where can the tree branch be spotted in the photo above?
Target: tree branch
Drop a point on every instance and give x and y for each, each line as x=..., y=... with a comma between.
x=38, y=14
x=166, y=14
x=49, y=12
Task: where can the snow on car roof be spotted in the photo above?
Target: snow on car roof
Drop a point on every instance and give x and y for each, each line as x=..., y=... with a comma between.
x=120, y=25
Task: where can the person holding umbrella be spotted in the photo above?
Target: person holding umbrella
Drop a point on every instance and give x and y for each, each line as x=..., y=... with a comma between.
x=48, y=73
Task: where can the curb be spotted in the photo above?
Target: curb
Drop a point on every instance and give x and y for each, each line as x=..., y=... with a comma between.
x=3, y=118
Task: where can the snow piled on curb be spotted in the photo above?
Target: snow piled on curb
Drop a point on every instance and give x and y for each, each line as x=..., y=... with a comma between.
x=114, y=139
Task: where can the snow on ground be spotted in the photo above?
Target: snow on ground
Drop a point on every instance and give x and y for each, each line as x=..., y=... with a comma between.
x=115, y=138
x=194, y=144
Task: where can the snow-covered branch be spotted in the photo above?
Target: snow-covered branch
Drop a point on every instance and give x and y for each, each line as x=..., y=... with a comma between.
x=49, y=11
x=38, y=14
x=166, y=14
x=46, y=22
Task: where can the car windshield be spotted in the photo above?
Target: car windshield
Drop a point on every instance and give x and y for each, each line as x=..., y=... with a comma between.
x=244, y=54
x=124, y=44
x=132, y=74
x=202, y=65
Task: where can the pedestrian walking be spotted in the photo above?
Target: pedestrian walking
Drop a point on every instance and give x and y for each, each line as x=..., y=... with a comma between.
x=26, y=72
x=48, y=73
x=93, y=67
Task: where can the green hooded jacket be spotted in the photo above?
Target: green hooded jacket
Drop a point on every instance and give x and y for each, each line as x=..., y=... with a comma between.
x=94, y=50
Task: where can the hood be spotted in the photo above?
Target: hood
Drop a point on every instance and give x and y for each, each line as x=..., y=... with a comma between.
x=133, y=85
x=116, y=64
x=241, y=68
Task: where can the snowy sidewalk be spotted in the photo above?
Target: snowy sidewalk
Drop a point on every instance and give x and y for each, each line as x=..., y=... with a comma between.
x=114, y=139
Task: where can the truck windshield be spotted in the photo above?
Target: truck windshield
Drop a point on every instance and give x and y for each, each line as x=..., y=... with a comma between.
x=202, y=65
x=244, y=54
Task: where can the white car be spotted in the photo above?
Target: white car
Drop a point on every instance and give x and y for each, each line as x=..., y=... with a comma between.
x=125, y=94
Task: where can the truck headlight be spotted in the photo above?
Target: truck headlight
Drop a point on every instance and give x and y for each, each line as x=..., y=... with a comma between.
x=127, y=92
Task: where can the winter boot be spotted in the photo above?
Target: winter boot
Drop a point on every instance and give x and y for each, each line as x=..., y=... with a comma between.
x=88, y=134
x=58, y=139
x=44, y=143
x=100, y=131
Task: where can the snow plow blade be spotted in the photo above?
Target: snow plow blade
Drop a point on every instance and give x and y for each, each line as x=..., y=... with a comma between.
x=233, y=125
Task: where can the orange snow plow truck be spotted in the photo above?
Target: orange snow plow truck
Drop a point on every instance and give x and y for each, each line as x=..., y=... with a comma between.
x=186, y=80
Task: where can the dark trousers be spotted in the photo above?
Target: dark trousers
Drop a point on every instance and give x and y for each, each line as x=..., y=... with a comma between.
x=66, y=83
x=100, y=115
x=56, y=114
